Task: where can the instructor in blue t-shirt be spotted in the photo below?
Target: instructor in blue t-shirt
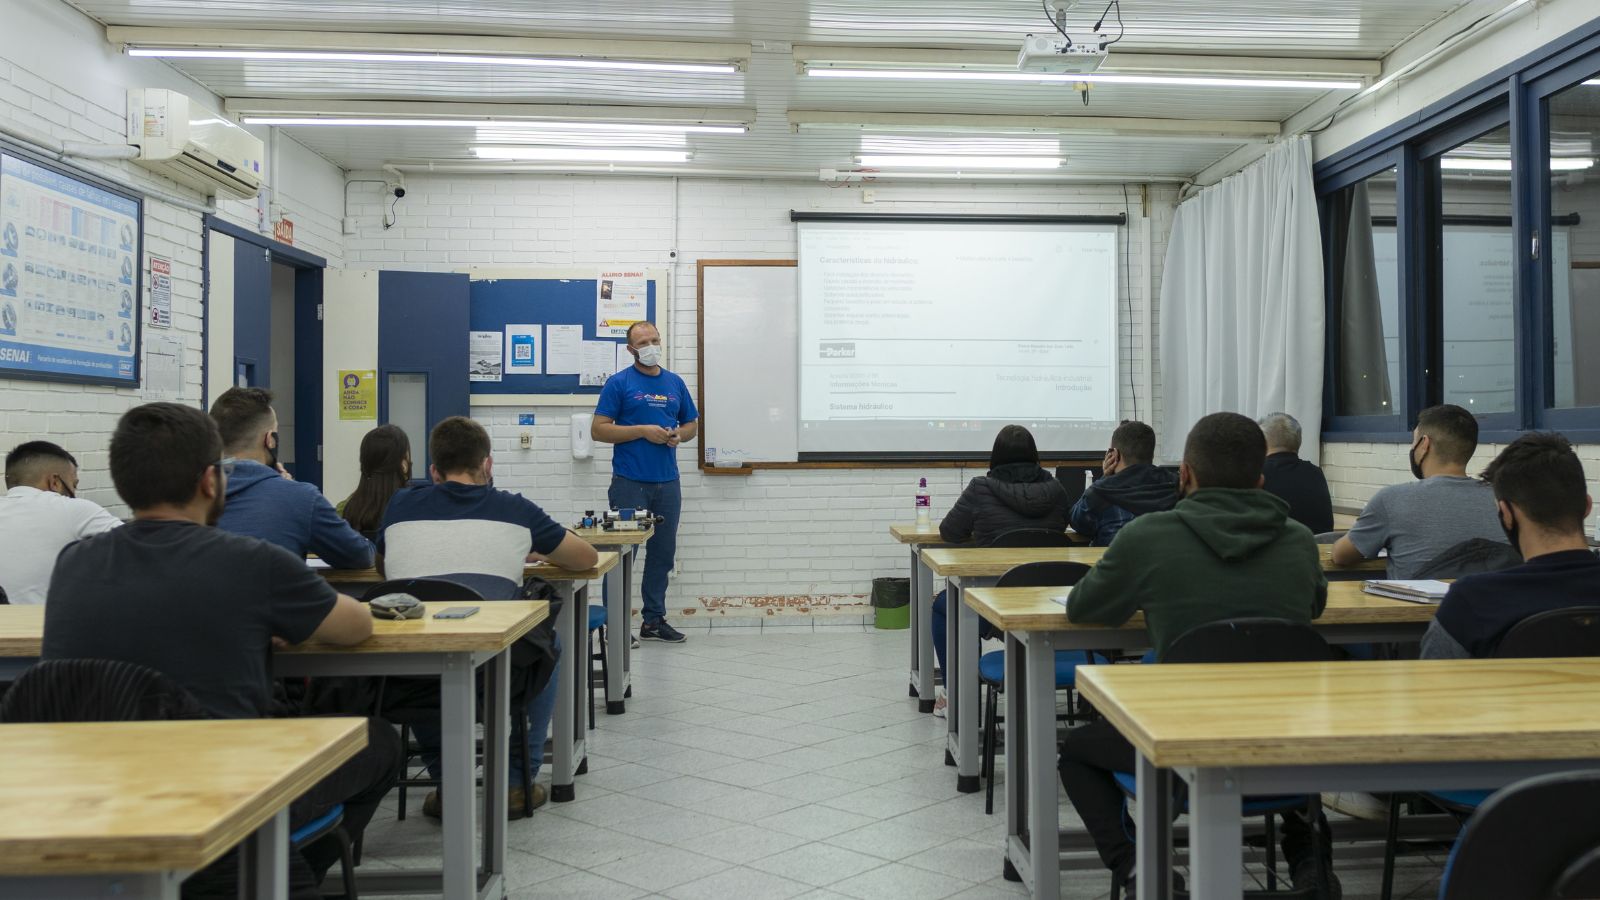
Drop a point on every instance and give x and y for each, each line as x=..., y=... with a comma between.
x=647, y=412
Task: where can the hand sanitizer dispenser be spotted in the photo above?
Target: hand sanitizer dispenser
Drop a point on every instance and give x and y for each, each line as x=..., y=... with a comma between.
x=582, y=443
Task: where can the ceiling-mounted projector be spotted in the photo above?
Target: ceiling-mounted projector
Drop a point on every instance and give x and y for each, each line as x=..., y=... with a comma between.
x=1059, y=55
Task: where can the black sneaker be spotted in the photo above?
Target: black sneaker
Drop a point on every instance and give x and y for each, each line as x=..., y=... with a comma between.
x=661, y=631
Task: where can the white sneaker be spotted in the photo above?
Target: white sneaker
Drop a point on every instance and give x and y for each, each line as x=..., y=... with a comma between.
x=939, y=704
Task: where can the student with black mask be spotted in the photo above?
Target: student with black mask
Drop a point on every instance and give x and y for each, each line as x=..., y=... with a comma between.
x=1132, y=486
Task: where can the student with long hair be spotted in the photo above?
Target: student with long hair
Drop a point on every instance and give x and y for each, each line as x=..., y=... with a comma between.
x=385, y=469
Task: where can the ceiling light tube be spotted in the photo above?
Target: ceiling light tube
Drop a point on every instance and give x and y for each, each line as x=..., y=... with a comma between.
x=1094, y=77
x=439, y=58
x=1469, y=164
x=653, y=128
x=579, y=154
x=884, y=161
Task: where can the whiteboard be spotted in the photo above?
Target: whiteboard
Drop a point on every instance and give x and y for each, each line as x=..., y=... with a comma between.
x=749, y=367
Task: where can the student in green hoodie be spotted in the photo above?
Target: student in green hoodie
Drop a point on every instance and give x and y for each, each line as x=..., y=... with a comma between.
x=1227, y=550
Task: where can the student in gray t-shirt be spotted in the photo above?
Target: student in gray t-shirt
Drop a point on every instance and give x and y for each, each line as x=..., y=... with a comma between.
x=1419, y=521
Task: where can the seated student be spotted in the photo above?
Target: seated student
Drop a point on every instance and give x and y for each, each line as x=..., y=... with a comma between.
x=462, y=525
x=385, y=469
x=1130, y=487
x=1541, y=500
x=204, y=606
x=1227, y=550
x=1300, y=483
x=1016, y=493
x=1418, y=521
x=264, y=502
x=40, y=514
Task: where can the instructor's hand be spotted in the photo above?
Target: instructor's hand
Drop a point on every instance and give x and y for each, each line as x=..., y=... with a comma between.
x=655, y=434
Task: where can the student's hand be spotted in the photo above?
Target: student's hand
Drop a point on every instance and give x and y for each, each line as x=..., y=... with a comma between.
x=284, y=473
x=279, y=643
x=655, y=434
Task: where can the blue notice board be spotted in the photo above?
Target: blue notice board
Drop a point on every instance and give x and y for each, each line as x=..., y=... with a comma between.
x=540, y=301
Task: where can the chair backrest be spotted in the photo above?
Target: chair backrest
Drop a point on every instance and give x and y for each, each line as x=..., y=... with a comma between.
x=1043, y=574
x=1573, y=631
x=455, y=589
x=1581, y=879
x=1030, y=537
x=1523, y=839
x=1249, y=640
x=1471, y=557
x=96, y=690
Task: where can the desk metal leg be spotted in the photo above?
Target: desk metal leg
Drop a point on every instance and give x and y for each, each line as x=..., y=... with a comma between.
x=571, y=723
x=1153, y=825
x=269, y=852
x=922, y=655
x=496, y=768
x=1018, y=852
x=458, y=788
x=1215, y=836
x=965, y=712
x=1038, y=715
x=952, y=670
x=619, y=599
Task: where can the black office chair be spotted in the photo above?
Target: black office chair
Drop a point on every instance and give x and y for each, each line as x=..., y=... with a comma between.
x=1257, y=640
x=992, y=665
x=406, y=701
x=1535, y=839
x=1030, y=537
x=1555, y=633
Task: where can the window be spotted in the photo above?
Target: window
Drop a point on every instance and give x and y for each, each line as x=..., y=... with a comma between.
x=1365, y=280
x=1572, y=344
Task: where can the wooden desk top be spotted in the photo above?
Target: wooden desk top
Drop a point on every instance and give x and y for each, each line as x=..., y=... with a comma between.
x=1032, y=609
x=101, y=797
x=912, y=533
x=1389, y=711
x=608, y=561
x=493, y=628
x=603, y=538
x=987, y=562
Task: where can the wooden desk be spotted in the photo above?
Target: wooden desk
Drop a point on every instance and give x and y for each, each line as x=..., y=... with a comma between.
x=570, y=728
x=95, y=809
x=451, y=650
x=618, y=590
x=1036, y=627
x=968, y=567
x=921, y=677
x=1374, y=726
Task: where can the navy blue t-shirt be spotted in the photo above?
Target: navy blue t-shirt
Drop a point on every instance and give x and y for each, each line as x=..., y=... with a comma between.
x=631, y=397
x=458, y=529
x=1480, y=609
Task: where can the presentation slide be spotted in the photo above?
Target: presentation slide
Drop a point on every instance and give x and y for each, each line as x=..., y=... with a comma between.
x=69, y=276
x=928, y=337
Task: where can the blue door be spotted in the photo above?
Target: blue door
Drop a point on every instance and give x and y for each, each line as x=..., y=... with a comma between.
x=252, y=315
x=422, y=354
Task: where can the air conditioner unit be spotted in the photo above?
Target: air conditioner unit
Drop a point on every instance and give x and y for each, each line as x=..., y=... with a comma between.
x=191, y=145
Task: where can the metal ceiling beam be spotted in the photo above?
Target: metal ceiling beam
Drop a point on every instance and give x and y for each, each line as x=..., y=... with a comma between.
x=370, y=42
x=312, y=106
x=1117, y=61
x=1187, y=129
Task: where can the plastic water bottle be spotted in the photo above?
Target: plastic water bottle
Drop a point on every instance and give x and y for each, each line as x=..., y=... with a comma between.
x=1088, y=479
x=924, y=503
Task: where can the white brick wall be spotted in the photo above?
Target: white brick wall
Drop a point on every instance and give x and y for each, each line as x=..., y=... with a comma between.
x=59, y=76
x=811, y=532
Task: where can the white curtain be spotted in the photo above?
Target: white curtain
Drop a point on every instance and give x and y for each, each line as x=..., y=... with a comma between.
x=1242, y=301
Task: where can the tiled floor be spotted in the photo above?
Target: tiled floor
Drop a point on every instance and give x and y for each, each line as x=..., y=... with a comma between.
x=770, y=762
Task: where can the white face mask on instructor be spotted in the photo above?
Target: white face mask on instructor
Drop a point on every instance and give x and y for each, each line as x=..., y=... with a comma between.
x=649, y=355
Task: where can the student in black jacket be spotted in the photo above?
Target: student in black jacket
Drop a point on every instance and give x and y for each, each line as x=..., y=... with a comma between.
x=1132, y=486
x=1016, y=493
x=1298, y=482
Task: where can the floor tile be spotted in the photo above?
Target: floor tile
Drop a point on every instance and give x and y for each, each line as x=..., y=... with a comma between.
x=897, y=881
x=814, y=822
x=579, y=886
x=889, y=840
x=743, y=844
x=818, y=864
x=660, y=870
x=739, y=883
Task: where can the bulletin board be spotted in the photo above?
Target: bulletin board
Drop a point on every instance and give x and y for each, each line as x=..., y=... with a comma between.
x=500, y=302
x=70, y=274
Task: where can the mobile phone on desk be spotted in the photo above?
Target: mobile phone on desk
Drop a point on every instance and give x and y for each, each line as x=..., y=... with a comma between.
x=456, y=612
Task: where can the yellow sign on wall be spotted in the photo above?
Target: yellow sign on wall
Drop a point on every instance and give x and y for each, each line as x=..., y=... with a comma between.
x=358, y=394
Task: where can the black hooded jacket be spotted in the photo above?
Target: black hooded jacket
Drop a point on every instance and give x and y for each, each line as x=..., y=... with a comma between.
x=1116, y=500
x=1012, y=496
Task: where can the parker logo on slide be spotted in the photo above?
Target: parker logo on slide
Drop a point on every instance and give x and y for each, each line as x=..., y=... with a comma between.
x=838, y=351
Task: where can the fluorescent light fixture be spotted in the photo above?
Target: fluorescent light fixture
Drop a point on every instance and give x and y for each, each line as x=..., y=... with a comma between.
x=581, y=154
x=651, y=128
x=876, y=161
x=1468, y=164
x=1094, y=77
x=458, y=59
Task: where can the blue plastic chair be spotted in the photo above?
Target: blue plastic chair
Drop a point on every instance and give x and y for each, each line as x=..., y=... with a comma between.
x=597, y=623
x=330, y=823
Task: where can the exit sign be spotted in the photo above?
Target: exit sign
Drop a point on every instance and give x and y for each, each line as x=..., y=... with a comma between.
x=283, y=230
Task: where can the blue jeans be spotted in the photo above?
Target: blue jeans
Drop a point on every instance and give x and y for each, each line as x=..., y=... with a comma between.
x=541, y=708
x=664, y=499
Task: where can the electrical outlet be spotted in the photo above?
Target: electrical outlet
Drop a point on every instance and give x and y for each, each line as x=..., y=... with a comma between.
x=869, y=195
x=526, y=440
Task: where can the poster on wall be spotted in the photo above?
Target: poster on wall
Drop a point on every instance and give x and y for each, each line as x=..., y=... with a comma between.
x=483, y=356
x=69, y=277
x=524, y=356
x=358, y=394
x=160, y=304
x=622, y=299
